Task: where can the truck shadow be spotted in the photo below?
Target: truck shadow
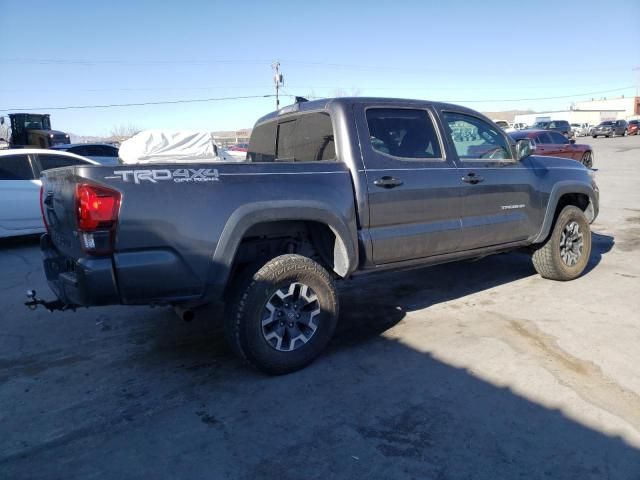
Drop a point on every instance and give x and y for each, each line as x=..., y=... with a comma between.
x=371, y=305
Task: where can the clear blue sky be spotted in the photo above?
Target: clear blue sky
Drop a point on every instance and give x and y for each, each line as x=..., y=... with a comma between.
x=87, y=52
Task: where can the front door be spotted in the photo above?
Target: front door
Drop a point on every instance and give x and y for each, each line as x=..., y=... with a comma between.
x=414, y=193
x=500, y=203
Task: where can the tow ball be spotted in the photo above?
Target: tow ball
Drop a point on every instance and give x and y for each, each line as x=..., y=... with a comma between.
x=33, y=303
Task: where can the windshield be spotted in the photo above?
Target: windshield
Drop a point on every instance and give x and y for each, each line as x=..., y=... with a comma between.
x=606, y=124
x=540, y=124
x=36, y=122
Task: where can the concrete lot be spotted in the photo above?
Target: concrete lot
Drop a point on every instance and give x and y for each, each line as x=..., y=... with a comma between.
x=473, y=370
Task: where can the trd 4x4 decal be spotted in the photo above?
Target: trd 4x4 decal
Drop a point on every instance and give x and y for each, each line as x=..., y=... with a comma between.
x=178, y=175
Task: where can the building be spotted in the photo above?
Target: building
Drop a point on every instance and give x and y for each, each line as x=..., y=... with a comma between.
x=231, y=137
x=592, y=111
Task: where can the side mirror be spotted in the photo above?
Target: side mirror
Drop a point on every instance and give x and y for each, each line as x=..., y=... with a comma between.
x=572, y=141
x=524, y=148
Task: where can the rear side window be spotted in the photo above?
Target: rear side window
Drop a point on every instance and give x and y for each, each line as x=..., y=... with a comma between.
x=543, y=138
x=56, y=161
x=558, y=138
x=403, y=133
x=15, y=167
x=307, y=138
x=262, y=146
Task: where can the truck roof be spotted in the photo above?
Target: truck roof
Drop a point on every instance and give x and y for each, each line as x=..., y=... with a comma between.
x=345, y=102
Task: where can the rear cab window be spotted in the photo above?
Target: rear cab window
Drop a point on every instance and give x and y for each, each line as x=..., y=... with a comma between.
x=16, y=167
x=302, y=138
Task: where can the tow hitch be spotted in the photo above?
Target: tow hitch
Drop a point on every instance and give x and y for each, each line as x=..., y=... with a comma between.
x=52, y=306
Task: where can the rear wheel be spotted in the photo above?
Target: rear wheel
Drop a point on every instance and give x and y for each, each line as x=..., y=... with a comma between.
x=565, y=254
x=284, y=314
x=587, y=159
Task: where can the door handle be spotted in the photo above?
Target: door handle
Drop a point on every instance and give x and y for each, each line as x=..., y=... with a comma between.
x=472, y=178
x=387, y=182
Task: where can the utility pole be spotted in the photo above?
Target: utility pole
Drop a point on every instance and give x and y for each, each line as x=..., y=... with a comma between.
x=278, y=81
x=637, y=69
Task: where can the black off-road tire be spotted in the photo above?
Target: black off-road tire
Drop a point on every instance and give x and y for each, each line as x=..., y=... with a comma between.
x=547, y=258
x=255, y=289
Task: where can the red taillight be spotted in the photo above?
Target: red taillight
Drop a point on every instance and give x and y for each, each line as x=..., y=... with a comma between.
x=97, y=207
x=44, y=217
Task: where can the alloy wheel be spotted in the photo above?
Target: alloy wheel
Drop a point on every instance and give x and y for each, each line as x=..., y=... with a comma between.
x=290, y=317
x=571, y=244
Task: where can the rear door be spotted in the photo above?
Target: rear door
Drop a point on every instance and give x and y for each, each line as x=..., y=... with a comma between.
x=545, y=145
x=500, y=203
x=563, y=147
x=19, y=195
x=414, y=193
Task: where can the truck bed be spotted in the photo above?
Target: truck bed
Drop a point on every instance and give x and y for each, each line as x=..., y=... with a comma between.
x=172, y=216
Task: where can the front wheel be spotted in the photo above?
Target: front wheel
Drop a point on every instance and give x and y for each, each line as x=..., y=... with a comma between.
x=565, y=254
x=587, y=159
x=284, y=314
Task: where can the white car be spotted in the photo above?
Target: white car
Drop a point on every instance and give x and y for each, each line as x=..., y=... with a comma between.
x=20, y=186
x=581, y=129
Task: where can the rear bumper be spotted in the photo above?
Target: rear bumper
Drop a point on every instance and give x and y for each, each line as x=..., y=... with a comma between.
x=132, y=278
x=87, y=281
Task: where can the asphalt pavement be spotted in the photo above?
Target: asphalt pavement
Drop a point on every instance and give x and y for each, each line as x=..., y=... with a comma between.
x=479, y=370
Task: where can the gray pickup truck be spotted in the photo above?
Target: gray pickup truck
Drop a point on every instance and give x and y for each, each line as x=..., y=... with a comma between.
x=331, y=188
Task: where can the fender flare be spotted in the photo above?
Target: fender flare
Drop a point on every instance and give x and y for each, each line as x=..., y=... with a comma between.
x=241, y=220
x=560, y=189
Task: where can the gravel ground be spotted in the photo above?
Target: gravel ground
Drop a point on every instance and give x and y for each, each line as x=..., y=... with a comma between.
x=472, y=370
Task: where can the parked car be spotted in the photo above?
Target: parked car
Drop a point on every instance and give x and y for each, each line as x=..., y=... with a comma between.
x=581, y=129
x=331, y=188
x=238, y=151
x=560, y=126
x=610, y=128
x=550, y=143
x=20, y=171
x=634, y=127
x=103, y=153
x=503, y=124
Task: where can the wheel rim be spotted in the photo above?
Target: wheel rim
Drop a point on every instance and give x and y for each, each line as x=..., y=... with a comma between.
x=290, y=316
x=586, y=159
x=571, y=244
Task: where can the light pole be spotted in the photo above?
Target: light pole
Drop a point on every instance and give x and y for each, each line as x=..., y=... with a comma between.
x=278, y=81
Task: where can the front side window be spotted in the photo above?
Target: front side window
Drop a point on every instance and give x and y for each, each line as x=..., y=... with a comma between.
x=56, y=161
x=403, y=133
x=15, y=167
x=487, y=143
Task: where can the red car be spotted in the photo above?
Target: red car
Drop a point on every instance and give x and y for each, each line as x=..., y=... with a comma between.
x=634, y=127
x=554, y=144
